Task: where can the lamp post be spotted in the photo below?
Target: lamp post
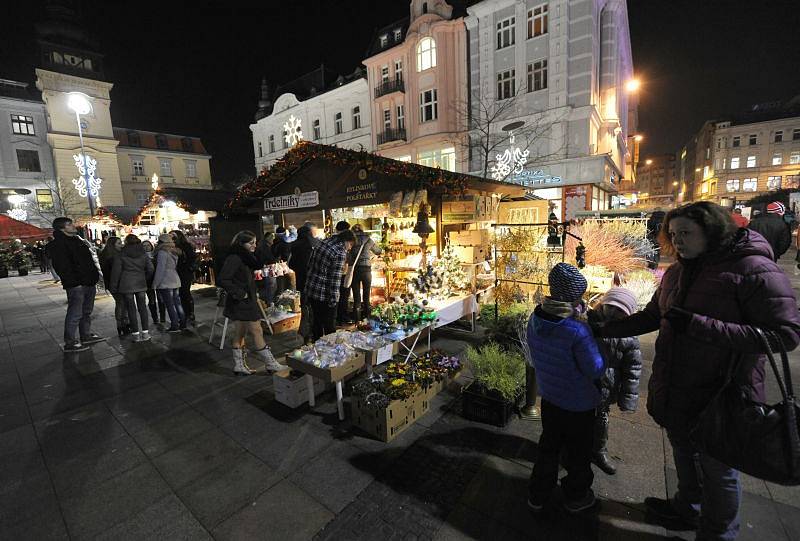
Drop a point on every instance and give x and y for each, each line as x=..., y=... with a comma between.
x=80, y=104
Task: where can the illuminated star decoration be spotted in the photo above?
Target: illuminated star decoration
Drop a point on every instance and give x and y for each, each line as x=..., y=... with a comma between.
x=512, y=158
x=87, y=182
x=292, y=131
x=18, y=214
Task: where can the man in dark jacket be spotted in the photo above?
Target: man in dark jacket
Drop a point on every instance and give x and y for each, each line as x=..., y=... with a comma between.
x=74, y=262
x=772, y=227
x=301, y=253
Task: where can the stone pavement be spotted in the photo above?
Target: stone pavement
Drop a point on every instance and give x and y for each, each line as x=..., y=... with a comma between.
x=160, y=441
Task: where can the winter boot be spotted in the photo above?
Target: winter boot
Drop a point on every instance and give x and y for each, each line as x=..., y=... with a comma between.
x=240, y=368
x=269, y=361
x=356, y=315
x=600, y=451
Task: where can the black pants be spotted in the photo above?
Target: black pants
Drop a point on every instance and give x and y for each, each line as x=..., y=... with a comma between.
x=344, y=300
x=187, y=302
x=137, y=302
x=573, y=431
x=158, y=309
x=324, y=319
x=362, y=283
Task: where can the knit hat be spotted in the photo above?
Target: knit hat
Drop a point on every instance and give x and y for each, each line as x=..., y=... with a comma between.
x=622, y=298
x=567, y=284
x=165, y=238
x=776, y=207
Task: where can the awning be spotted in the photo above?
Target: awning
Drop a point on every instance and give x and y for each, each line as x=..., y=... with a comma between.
x=11, y=229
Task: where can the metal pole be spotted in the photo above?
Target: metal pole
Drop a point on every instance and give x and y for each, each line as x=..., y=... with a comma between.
x=85, y=166
x=529, y=411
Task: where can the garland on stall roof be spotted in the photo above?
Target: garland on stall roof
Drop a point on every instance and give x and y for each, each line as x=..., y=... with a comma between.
x=267, y=179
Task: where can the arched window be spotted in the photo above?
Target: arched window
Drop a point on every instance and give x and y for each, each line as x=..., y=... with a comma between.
x=426, y=54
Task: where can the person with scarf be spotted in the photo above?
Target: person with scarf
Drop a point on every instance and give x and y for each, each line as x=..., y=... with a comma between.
x=568, y=364
x=167, y=282
x=241, y=303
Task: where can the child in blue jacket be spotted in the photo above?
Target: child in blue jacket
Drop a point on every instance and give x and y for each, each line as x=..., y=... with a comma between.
x=568, y=365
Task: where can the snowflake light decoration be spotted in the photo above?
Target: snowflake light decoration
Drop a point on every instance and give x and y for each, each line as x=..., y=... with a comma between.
x=18, y=214
x=292, y=131
x=512, y=158
x=87, y=183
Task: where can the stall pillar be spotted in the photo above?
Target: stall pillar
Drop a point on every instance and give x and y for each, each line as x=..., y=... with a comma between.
x=436, y=210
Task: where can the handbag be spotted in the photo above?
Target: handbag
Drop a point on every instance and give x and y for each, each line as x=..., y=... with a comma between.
x=348, y=278
x=758, y=439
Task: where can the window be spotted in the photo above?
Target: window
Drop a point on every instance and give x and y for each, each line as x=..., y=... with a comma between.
x=137, y=165
x=777, y=158
x=708, y=153
x=403, y=158
x=751, y=161
x=791, y=182
x=737, y=141
x=133, y=139
x=22, y=125
x=796, y=134
x=271, y=144
x=260, y=150
x=161, y=141
x=398, y=35
x=753, y=139
x=735, y=162
x=717, y=163
x=398, y=69
x=384, y=40
x=773, y=183
x=356, y=117
x=187, y=145
x=428, y=106
x=44, y=199
x=385, y=74
x=401, y=117
x=337, y=123
x=537, y=76
x=505, y=33
x=750, y=185
x=191, y=168
x=537, y=21
x=142, y=198
x=426, y=54
x=387, y=119
x=506, y=87
x=28, y=161
x=315, y=124
x=706, y=171
x=165, y=166
x=719, y=143
x=444, y=158
x=778, y=136
x=794, y=158
x=732, y=185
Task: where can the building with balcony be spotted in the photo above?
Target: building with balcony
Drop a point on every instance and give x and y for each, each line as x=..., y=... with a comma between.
x=556, y=73
x=417, y=73
x=319, y=106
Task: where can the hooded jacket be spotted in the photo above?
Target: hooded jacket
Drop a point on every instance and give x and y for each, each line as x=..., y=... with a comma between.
x=166, y=274
x=728, y=292
x=566, y=359
x=73, y=260
x=775, y=229
x=132, y=270
x=369, y=248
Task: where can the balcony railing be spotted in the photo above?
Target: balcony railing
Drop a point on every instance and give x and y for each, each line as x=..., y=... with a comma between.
x=392, y=135
x=387, y=87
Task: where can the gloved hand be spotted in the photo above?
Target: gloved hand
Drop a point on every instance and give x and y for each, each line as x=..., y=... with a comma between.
x=678, y=318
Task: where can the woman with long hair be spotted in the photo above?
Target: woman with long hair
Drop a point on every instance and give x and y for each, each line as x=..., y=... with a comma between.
x=157, y=308
x=241, y=304
x=129, y=276
x=107, y=256
x=187, y=264
x=167, y=282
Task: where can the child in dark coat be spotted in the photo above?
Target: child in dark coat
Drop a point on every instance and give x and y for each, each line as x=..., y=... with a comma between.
x=568, y=365
x=620, y=382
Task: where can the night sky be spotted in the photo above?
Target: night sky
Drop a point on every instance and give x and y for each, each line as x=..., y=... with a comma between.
x=195, y=68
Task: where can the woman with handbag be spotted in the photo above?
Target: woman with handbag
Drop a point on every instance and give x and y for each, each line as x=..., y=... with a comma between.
x=360, y=271
x=708, y=310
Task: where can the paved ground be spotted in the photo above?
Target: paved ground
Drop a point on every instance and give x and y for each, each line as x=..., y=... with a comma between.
x=160, y=441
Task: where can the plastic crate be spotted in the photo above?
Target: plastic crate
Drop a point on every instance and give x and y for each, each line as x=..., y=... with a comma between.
x=485, y=408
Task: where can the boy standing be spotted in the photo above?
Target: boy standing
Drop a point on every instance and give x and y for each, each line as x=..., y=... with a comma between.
x=567, y=363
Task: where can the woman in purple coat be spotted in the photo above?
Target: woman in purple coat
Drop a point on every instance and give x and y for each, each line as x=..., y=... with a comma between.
x=723, y=285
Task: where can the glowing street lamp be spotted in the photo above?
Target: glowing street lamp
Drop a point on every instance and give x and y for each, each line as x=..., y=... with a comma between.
x=638, y=138
x=648, y=162
x=87, y=185
x=633, y=85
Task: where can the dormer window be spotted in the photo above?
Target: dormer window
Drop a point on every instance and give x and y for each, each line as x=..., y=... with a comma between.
x=398, y=35
x=426, y=54
x=424, y=8
x=133, y=139
x=384, y=40
x=187, y=145
x=161, y=141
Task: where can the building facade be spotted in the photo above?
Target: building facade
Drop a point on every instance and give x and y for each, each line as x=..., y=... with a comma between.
x=657, y=181
x=557, y=70
x=417, y=75
x=26, y=160
x=319, y=107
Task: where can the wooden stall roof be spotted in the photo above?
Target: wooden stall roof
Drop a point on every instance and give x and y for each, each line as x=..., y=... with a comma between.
x=349, y=178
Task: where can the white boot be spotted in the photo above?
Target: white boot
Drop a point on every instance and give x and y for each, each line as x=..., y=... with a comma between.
x=270, y=363
x=239, y=366
x=144, y=336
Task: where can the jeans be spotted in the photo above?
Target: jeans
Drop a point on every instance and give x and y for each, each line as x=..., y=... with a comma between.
x=157, y=308
x=706, y=488
x=137, y=302
x=172, y=300
x=187, y=302
x=323, y=320
x=80, y=303
x=573, y=431
x=362, y=282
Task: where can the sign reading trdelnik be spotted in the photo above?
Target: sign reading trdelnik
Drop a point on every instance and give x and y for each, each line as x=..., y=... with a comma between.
x=293, y=201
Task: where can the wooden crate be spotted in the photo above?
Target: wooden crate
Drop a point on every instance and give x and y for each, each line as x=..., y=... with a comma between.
x=291, y=388
x=291, y=323
x=328, y=375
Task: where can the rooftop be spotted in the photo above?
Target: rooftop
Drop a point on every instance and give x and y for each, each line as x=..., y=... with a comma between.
x=128, y=137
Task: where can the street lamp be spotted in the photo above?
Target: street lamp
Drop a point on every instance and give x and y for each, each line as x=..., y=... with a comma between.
x=79, y=103
x=633, y=85
x=638, y=138
x=648, y=162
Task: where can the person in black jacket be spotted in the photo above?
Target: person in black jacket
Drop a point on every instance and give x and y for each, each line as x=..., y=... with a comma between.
x=187, y=264
x=265, y=257
x=281, y=249
x=774, y=228
x=241, y=304
x=75, y=263
x=301, y=253
x=620, y=381
x=132, y=271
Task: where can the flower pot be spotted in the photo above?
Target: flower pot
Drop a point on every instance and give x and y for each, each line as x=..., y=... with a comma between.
x=23, y=272
x=487, y=406
x=3, y=272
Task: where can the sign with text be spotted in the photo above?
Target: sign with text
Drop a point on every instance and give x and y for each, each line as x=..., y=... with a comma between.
x=360, y=193
x=292, y=201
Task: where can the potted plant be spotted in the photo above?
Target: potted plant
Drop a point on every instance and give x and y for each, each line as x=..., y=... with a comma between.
x=498, y=386
x=20, y=258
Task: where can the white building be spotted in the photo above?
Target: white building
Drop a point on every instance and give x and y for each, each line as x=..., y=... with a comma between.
x=315, y=107
x=561, y=68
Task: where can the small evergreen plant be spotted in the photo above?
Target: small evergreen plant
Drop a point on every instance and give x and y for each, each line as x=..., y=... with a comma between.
x=497, y=369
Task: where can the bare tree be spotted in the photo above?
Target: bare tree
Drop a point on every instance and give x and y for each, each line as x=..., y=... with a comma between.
x=486, y=116
x=66, y=202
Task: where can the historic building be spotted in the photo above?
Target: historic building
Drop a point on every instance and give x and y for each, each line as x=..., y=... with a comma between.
x=657, y=181
x=319, y=106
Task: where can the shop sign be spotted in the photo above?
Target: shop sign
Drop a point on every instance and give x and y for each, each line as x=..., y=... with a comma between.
x=292, y=201
x=361, y=193
x=535, y=178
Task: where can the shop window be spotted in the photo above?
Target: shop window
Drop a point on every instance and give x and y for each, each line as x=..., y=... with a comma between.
x=44, y=199
x=28, y=161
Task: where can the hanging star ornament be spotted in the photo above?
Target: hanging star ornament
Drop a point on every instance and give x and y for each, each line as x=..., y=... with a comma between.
x=87, y=183
x=292, y=131
x=512, y=159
